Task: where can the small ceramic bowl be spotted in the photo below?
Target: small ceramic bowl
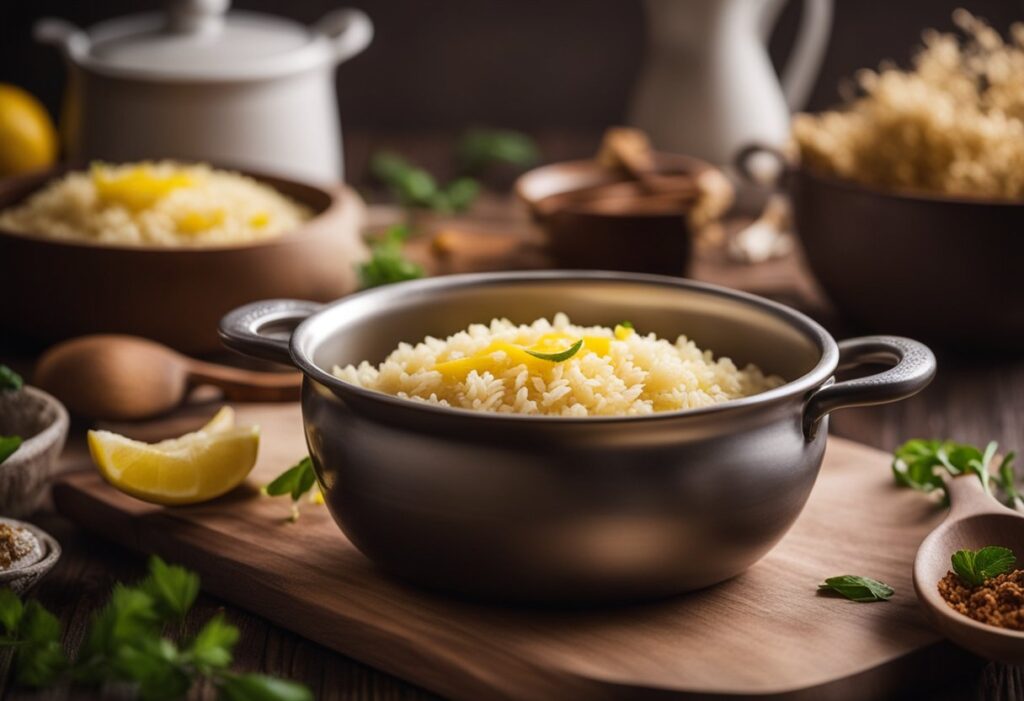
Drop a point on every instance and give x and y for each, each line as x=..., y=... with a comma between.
x=24, y=574
x=42, y=423
x=629, y=240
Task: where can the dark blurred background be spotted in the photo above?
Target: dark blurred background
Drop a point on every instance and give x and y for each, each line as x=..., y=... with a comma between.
x=559, y=69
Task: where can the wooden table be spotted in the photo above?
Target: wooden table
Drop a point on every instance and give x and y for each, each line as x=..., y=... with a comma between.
x=972, y=399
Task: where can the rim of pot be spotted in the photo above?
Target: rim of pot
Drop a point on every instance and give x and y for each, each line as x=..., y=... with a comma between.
x=823, y=369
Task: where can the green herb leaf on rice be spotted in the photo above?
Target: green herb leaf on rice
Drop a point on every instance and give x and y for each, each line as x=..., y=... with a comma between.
x=857, y=588
x=559, y=356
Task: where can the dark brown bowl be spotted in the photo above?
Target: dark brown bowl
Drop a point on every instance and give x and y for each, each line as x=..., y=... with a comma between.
x=643, y=242
x=59, y=289
x=947, y=270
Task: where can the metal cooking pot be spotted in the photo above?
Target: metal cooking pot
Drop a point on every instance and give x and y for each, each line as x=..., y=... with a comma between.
x=548, y=509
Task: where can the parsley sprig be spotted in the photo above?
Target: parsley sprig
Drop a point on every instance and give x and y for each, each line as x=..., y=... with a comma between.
x=125, y=643
x=296, y=481
x=416, y=188
x=388, y=263
x=973, y=567
x=919, y=464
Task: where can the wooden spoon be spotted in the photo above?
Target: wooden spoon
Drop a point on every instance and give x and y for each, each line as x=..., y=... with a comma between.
x=975, y=520
x=126, y=377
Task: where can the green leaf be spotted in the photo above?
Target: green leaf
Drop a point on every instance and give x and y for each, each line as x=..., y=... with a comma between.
x=8, y=444
x=480, y=148
x=914, y=465
x=460, y=194
x=154, y=665
x=296, y=480
x=857, y=588
x=129, y=616
x=413, y=186
x=212, y=646
x=625, y=324
x=561, y=355
x=40, y=659
x=9, y=380
x=973, y=567
x=11, y=610
x=1008, y=481
x=38, y=625
x=387, y=263
x=257, y=687
x=287, y=481
x=173, y=589
x=307, y=478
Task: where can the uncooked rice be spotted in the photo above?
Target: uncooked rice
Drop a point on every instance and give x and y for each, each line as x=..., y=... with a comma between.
x=617, y=373
x=155, y=204
x=952, y=125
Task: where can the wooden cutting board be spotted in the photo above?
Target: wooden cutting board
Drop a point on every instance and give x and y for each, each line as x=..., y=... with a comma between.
x=765, y=634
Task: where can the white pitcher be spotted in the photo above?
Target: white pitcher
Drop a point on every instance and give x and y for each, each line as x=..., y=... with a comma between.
x=708, y=87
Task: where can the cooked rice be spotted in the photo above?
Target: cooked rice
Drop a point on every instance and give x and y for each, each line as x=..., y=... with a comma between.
x=157, y=204
x=638, y=374
x=952, y=125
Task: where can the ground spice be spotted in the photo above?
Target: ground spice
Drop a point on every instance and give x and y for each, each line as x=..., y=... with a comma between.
x=999, y=601
x=15, y=543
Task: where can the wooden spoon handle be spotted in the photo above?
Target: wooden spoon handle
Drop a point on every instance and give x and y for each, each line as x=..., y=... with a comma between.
x=967, y=497
x=246, y=385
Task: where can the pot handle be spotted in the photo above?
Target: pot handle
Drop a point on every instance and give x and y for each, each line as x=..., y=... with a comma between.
x=349, y=31
x=71, y=40
x=743, y=162
x=913, y=367
x=263, y=329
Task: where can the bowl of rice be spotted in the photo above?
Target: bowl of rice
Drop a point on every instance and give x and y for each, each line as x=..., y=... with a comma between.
x=163, y=249
x=909, y=200
x=566, y=435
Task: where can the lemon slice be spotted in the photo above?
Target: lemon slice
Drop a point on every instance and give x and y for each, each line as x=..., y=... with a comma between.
x=196, y=467
x=28, y=139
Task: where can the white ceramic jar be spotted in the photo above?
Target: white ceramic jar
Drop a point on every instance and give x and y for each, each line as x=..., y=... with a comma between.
x=200, y=83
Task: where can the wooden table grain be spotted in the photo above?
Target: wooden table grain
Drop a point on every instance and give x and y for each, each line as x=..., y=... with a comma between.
x=974, y=399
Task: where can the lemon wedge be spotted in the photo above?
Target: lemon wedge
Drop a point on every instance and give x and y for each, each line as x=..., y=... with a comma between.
x=196, y=467
x=28, y=139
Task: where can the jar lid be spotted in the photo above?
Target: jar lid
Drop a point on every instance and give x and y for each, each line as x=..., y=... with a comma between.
x=202, y=40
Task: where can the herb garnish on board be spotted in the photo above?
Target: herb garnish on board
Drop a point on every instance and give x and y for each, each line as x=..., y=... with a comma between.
x=857, y=588
x=296, y=481
x=125, y=643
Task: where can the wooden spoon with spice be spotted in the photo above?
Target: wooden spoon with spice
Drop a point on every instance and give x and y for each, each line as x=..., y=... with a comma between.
x=976, y=520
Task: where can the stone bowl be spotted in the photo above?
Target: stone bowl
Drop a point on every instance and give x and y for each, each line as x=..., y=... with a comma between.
x=25, y=575
x=42, y=422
